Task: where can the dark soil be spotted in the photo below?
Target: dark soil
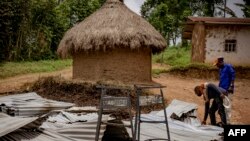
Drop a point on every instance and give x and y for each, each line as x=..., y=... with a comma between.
x=194, y=71
x=85, y=94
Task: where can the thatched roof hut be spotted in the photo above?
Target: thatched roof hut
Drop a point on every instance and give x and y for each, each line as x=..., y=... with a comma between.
x=112, y=28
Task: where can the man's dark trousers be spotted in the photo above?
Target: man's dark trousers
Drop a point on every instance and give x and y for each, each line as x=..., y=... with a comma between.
x=217, y=105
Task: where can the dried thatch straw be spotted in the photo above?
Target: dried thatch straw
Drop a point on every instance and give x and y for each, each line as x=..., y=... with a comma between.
x=113, y=25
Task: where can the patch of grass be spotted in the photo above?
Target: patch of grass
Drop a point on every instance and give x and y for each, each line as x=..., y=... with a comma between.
x=9, y=69
x=174, y=56
x=200, y=66
x=197, y=70
x=158, y=71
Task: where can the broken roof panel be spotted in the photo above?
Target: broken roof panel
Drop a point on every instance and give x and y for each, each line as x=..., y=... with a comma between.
x=62, y=126
x=22, y=135
x=77, y=126
x=29, y=104
x=178, y=108
x=179, y=130
x=10, y=124
x=188, y=130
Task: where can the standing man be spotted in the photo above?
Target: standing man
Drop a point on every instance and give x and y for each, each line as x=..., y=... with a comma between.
x=227, y=76
x=211, y=91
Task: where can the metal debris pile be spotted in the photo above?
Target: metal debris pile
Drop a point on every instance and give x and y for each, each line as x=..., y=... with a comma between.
x=31, y=117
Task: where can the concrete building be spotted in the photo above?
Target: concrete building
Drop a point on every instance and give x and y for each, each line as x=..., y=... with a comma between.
x=213, y=37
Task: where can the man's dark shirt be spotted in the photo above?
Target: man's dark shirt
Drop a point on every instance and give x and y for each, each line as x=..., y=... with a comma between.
x=212, y=92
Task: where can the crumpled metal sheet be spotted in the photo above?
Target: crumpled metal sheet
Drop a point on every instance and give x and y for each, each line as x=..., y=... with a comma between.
x=77, y=126
x=59, y=126
x=178, y=108
x=179, y=131
x=9, y=124
x=183, y=111
x=39, y=135
x=29, y=104
x=190, y=129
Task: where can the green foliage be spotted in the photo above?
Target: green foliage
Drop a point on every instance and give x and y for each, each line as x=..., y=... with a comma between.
x=207, y=7
x=13, y=19
x=200, y=66
x=77, y=10
x=9, y=69
x=166, y=16
x=161, y=20
x=174, y=56
x=245, y=7
x=32, y=29
x=156, y=72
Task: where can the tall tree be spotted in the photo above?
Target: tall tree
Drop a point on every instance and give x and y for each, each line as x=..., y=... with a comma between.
x=245, y=7
x=32, y=29
x=77, y=10
x=13, y=27
x=166, y=16
x=206, y=7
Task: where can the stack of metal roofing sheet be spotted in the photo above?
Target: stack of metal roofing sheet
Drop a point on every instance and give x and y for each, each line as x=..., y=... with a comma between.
x=39, y=135
x=29, y=104
x=74, y=125
x=190, y=129
x=55, y=125
x=58, y=126
x=9, y=124
x=179, y=130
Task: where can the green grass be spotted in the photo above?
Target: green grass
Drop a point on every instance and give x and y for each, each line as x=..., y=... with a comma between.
x=174, y=56
x=156, y=72
x=9, y=69
x=200, y=66
x=179, y=58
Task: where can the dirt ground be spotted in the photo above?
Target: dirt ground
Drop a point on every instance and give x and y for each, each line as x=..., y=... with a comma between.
x=177, y=88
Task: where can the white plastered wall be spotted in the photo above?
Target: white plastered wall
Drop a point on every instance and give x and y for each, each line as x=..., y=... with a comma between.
x=215, y=40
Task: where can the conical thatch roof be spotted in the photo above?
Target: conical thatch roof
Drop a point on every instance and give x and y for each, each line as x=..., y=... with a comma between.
x=113, y=25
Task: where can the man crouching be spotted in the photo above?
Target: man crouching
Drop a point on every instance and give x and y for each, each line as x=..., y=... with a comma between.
x=211, y=91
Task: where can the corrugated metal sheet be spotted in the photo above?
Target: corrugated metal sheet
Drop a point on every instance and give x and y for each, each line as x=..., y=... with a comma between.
x=188, y=130
x=9, y=124
x=54, y=126
x=58, y=126
x=29, y=104
x=22, y=135
x=178, y=108
x=74, y=125
x=179, y=131
x=182, y=111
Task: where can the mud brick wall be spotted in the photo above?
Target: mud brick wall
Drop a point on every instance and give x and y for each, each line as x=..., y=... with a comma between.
x=119, y=64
